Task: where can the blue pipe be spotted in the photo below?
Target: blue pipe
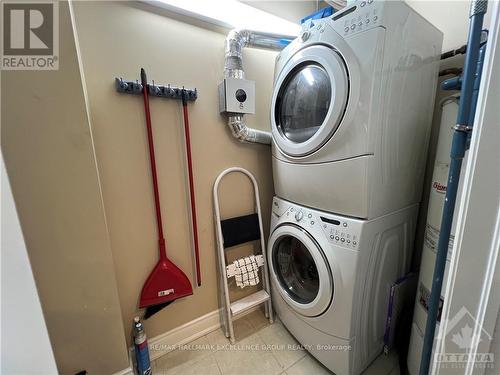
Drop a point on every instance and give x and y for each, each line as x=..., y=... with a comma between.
x=454, y=83
x=458, y=147
x=477, y=80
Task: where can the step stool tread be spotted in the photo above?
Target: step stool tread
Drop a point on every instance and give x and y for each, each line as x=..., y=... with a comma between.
x=248, y=302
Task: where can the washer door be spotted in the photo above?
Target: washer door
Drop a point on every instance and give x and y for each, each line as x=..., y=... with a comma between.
x=300, y=271
x=309, y=100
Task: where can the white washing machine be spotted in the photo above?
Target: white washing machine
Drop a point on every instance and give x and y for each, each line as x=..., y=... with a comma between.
x=331, y=278
x=352, y=108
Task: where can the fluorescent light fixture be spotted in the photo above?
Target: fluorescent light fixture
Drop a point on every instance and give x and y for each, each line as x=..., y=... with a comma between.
x=230, y=14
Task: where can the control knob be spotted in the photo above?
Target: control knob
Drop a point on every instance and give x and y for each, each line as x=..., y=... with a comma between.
x=299, y=215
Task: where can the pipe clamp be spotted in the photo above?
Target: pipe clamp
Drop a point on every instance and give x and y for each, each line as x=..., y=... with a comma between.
x=462, y=128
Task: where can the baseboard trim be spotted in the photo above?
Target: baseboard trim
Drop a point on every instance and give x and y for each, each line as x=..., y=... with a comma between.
x=171, y=340
x=190, y=331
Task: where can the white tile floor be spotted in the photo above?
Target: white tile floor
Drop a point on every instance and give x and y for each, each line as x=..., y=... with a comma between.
x=261, y=349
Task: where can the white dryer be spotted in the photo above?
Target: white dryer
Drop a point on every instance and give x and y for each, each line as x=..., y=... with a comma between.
x=330, y=279
x=352, y=108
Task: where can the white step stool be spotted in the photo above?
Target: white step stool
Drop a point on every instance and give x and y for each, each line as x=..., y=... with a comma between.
x=229, y=234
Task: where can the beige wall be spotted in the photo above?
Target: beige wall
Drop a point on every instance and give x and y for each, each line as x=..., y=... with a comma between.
x=117, y=39
x=49, y=156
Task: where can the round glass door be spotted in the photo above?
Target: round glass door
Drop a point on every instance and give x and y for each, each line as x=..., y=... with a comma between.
x=309, y=100
x=304, y=102
x=300, y=271
x=295, y=269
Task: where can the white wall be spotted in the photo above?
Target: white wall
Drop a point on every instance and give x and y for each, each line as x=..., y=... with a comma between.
x=24, y=334
x=451, y=17
x=292, y=10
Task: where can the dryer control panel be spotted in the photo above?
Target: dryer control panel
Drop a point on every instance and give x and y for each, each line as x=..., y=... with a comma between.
x=360, y=16
x=354, y=19
x=339, y=230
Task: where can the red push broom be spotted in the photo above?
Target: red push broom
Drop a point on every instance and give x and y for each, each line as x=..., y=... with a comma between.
x=166, y=282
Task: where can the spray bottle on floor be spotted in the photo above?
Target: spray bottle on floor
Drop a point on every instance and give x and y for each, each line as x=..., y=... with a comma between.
x=141, y=348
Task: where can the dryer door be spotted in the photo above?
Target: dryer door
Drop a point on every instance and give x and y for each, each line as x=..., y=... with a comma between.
x=309, y=100
x=300, y=270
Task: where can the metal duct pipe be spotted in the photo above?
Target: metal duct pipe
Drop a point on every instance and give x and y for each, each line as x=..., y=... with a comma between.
x=236, y=40
x=245, y=134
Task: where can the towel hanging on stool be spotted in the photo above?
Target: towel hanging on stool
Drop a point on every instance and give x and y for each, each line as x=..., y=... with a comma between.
x=245, y=270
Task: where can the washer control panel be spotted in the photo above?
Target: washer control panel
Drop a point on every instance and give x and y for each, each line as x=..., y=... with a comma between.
x=300, y=215
x=338, y=230
x=279, y=207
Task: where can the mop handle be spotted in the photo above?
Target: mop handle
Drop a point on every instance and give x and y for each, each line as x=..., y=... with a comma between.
x=191, y=187
x=161, y=239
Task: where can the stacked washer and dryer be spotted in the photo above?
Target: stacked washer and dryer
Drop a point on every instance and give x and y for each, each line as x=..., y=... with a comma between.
x=351, y=114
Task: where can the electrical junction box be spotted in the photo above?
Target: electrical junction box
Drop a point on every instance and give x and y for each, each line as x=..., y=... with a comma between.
x=237, y=96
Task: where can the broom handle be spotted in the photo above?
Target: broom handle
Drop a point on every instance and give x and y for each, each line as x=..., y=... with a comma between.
x=191, y=187
x=161, y=239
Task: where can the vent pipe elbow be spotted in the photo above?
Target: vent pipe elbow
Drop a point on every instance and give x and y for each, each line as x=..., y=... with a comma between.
x=245, y=134
x=233, y=64
x=236, y=40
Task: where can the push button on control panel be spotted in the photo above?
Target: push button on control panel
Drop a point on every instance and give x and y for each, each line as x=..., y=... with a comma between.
x=339, y=232
x=363, y=20
x=343, y=239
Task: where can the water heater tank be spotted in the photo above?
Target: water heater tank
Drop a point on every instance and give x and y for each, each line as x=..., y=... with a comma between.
x=449, y=107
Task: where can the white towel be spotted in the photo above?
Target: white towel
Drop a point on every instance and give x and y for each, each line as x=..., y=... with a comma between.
x=246, y=271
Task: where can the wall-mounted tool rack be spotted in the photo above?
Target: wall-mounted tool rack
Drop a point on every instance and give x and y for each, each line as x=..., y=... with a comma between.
x=170, y=92
x=162, y=91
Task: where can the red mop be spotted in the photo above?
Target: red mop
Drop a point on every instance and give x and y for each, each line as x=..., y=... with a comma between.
x=166, y=282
